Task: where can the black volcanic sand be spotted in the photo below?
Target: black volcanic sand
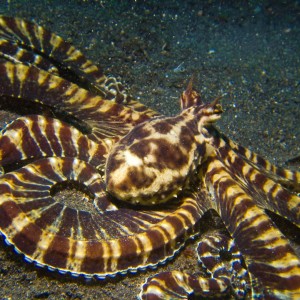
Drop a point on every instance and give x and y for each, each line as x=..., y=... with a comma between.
x=248, y=52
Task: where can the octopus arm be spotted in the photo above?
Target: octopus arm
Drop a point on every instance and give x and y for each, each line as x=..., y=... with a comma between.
x=14, y=53
x=51, y=50
x=268, y=255
x=35, y=136
x=265, y=191
x=180, y=285
x=112, y=241
x=92, y=113
x=27, y=43
x=285, y=177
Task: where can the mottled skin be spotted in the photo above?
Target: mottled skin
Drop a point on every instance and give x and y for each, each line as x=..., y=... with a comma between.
x=85, y=130
x=154, y=161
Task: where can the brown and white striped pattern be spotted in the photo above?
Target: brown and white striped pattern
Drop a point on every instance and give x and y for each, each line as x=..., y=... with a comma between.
x=13, y=53
x=49, y=47
x=92, y=114
x=288, y=178
x=266, y=192
x=53, y=54
x=102, y=117
x=267, y=253
x=102, y=243
x=226, y=276
x=35, y=136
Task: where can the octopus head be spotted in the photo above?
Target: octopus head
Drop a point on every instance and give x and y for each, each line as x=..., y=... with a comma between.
x=154, y=161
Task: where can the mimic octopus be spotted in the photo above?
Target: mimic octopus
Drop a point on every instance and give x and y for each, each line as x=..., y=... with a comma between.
x=149, y=179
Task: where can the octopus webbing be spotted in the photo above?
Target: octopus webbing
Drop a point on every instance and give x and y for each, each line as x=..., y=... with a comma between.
x=149, y=179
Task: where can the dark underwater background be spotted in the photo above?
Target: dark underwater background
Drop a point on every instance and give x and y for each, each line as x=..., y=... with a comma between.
x=248, y=51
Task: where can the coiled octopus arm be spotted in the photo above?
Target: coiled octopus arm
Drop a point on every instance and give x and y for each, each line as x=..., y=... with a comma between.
x=78, y=116
x=240, y=193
